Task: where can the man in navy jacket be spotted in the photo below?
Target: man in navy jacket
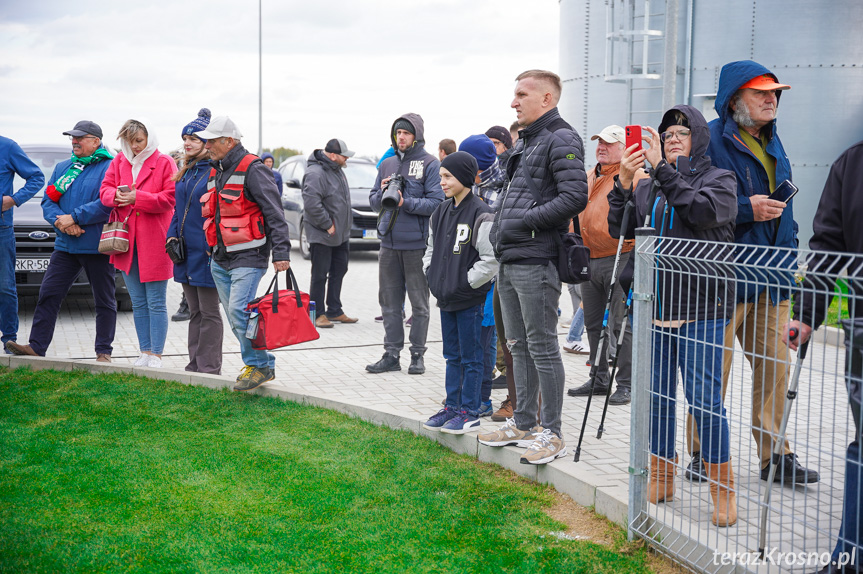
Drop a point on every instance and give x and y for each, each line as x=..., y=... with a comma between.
x=72, y=205
x=13, y=161
x=403, y=232
x=744, y=139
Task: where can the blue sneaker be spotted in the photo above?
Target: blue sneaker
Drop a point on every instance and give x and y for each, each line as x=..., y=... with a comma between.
x=485, y=409
x=440, y=418
x=461, y=423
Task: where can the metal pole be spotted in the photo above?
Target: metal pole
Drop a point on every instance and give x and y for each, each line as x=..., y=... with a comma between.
x=260, y=82
x=669, y=83
x=642, y=351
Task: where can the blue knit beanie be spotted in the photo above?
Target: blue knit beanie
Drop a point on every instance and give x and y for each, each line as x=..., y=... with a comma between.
x=199, y=124
x=481, y=148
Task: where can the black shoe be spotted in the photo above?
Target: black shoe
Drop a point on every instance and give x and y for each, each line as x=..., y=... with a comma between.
x=253, y=378
x=499, y=382
x=584, y=390
x=790, y=471
x=695, y=472
x=182, y=313
x=620, y=397
x=417, y=366
x=388, y=362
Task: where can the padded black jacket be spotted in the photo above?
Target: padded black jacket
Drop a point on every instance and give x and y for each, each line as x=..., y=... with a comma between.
x=552, y=154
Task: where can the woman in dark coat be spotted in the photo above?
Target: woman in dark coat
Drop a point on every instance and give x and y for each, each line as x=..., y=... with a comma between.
x=694, y=289
x=205, y=322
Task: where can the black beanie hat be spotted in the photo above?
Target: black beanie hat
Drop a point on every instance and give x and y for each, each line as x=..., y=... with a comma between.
x=403, y=124
x=463, y=166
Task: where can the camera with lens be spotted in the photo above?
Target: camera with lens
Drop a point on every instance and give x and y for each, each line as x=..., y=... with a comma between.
x=392, y=194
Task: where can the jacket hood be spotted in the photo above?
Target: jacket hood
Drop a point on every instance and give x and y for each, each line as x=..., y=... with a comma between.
x=698, y=158
x=731, y=77
x=267, y=155
x=417, y=122
x=318, y=156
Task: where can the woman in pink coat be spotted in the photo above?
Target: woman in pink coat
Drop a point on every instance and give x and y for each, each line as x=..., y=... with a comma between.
x=147, y=208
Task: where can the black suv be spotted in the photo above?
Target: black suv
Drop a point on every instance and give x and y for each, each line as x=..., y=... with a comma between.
x=361, y=174
x=34, y=237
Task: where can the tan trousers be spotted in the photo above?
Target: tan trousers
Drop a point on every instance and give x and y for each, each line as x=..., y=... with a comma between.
x=758, y=327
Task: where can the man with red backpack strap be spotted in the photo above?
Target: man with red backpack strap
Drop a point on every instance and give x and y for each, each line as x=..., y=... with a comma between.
x=243, y=223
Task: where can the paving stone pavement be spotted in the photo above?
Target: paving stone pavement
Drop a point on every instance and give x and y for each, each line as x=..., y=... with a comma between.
x=333, y=368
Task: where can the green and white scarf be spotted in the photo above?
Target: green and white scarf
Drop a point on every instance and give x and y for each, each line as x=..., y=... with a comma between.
x=56, y=190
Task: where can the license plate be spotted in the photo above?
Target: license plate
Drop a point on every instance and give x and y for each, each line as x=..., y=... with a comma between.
x=32, y=265
x=370, y=233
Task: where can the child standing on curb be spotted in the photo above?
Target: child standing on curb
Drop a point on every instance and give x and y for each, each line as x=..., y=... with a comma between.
x=459, y=263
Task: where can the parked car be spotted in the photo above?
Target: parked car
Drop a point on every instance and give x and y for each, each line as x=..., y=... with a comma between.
x=34, y=237
x=361, y=174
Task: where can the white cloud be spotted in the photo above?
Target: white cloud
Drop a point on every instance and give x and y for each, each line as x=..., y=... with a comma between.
x=337, y=69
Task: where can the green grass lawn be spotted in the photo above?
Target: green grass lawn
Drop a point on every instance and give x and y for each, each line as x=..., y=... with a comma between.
x=107, y=473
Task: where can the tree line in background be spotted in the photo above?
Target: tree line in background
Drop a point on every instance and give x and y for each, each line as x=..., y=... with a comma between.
x=280, y=154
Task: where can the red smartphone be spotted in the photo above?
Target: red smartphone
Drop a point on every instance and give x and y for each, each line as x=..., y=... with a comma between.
x=633, y=136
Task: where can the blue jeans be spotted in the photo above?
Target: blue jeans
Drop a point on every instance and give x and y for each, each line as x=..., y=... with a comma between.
x=464, y=355
x=529, y=296
x=576, y=328
x=236, y=288
x=488, y=344
x=8, y=291
x=148, y=309
x=696, y=348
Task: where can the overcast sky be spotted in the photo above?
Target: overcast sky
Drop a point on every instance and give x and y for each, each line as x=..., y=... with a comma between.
x=342, y=69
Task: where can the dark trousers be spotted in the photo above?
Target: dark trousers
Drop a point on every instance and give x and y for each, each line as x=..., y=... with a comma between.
x=59, y=277
x=329, y=265
x=488, y=344
x=205, y=329
x=851, y=528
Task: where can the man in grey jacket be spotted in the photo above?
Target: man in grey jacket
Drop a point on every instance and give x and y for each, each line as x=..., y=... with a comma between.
x=327, y=216
x=403, y=230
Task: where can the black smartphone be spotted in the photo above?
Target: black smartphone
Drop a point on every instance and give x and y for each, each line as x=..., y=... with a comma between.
x=785, y=191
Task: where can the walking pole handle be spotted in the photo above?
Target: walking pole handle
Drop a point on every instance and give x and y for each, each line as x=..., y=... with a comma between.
x=793, y=333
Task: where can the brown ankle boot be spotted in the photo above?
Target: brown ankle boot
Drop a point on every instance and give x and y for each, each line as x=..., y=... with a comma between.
x=722, y=491
x=660, y=487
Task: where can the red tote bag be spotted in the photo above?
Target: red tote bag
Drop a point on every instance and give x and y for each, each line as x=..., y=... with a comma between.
x=280, y=318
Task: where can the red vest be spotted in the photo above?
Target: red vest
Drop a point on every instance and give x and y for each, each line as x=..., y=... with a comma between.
x=229, y=215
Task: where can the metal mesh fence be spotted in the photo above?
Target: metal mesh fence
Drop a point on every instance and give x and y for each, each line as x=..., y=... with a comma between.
x=691, y=338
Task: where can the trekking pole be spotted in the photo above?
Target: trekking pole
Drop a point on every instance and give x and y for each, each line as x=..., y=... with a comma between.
x=614, y=357
x=603, y=335
x=654, y=187
x=779, y=442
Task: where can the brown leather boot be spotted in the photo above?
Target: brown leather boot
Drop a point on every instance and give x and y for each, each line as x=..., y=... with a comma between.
x=660, y=487
x=722, y=491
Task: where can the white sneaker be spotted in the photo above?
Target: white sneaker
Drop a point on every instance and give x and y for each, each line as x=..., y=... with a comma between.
x=154, y=361
x=142, y=360
x=575, y=347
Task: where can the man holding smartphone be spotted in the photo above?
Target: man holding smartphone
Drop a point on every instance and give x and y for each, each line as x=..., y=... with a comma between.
x=744, y=139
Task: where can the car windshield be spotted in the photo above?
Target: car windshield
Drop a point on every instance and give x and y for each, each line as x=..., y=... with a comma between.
x=361, y=175
x=46, y=160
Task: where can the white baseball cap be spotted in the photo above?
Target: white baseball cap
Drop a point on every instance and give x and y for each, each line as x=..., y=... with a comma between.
x=220, y=127
x=609, y=134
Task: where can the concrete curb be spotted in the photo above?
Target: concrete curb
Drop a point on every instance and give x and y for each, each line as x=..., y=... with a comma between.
x=563, y=474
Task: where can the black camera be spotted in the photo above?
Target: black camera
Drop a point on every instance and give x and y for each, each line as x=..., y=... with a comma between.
x=392, y=194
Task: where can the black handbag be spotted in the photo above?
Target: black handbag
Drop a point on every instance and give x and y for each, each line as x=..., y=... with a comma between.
x=176, y=250
x=573, y=256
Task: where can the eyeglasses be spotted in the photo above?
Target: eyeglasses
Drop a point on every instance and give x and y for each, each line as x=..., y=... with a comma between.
x=79, y=138
x=679, y=134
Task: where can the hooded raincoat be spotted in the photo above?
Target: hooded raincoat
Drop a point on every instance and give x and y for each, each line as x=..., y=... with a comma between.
x=694, y=201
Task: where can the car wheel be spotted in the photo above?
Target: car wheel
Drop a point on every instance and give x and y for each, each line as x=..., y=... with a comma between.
x=124, y=304
x=305, y=249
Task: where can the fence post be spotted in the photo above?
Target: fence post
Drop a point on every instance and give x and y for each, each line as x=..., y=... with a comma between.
x=642, y=305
